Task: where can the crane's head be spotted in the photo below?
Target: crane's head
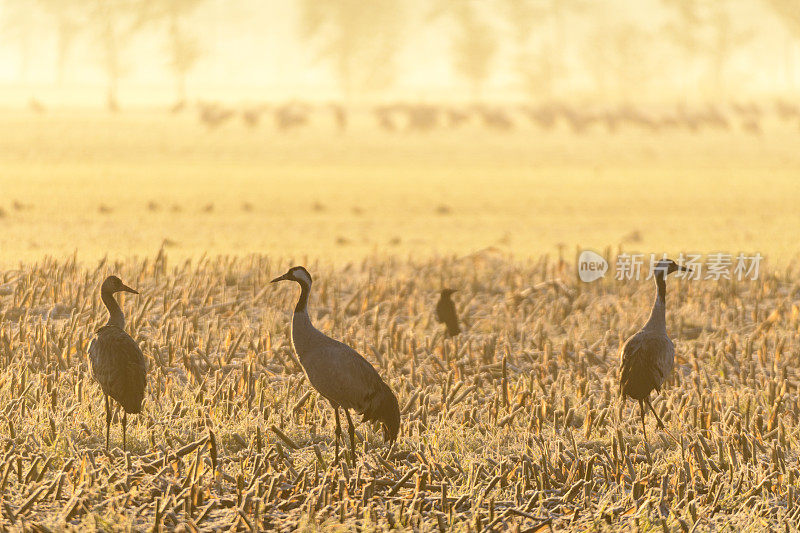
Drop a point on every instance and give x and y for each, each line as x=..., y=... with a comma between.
x=447, y=292
x=113, y=284
x=298, y=274
x=668, y=266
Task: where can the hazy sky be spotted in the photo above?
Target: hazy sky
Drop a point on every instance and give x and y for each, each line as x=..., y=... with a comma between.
x=251, y=50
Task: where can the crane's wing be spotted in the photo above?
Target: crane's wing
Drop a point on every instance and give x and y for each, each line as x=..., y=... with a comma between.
x=645, y=362
x=349, y=381
x=341, y=374
x=119, y=367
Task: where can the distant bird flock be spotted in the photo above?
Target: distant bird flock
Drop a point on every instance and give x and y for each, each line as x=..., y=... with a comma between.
x=746, y=117
x=345, y=378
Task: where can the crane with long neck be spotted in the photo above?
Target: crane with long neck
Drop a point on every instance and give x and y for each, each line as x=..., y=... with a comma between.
x=339, y=373
x=117, y=363
x=647, y=357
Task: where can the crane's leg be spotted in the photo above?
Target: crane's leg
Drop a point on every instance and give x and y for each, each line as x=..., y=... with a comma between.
x=660, y=422
x=658, y=418
x=124, y=424
x=352, y=430
x=644, y=426
x=338, y=432
x=108, y=420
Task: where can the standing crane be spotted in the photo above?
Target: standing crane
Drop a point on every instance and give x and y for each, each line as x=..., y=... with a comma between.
x=338, y=372
x=647, y=357
x=117, y=362
x=446, y=312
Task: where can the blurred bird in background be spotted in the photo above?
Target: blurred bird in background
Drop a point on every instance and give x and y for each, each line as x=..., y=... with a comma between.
x=446, y=312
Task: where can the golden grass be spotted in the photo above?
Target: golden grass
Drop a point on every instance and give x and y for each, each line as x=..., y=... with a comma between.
x=515, y=423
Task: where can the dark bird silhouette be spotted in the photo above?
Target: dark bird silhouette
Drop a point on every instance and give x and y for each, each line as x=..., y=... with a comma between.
x=290, y=116
x=251, y=116
x=456, y=117
x=494, y=118
x=338, y=372
x=213, y=114
x=385, y=116
x=117, y=362
x=446, y=312
x=648, y=356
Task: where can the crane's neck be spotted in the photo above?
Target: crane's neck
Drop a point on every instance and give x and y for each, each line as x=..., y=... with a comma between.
x=302, y=329
x=115, y=317
x=658, y=318
x=302, y=302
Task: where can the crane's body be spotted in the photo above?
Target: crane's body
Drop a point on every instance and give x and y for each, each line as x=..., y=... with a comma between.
x=118, y=366
x=647, y=361
x=335, y=370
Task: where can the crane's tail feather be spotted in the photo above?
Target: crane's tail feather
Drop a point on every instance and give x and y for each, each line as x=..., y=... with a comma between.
x=386, y=410
x=132, y=403
x=131, y=394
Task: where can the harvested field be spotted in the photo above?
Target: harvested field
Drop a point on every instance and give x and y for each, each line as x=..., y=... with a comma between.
x=515, y=423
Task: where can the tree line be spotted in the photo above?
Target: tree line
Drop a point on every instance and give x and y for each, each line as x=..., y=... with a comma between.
x=361, y=41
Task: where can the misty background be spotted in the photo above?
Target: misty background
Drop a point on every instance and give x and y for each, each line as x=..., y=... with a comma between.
x=117, y=53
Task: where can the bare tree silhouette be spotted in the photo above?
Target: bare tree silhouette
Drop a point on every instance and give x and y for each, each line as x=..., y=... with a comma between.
x=68, y=19
x=705, y=29
x=474, y=45
x=114, y=23
x=685, y=31
x=18, y=25
x=359, y=40
x=725, y=40
x=182, y=46
x=788, y=12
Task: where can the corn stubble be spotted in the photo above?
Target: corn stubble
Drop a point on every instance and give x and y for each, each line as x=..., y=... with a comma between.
x=516, y=423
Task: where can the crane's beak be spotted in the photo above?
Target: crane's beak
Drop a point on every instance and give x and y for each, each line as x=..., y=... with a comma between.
x=128, y=289
x=279, y=278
